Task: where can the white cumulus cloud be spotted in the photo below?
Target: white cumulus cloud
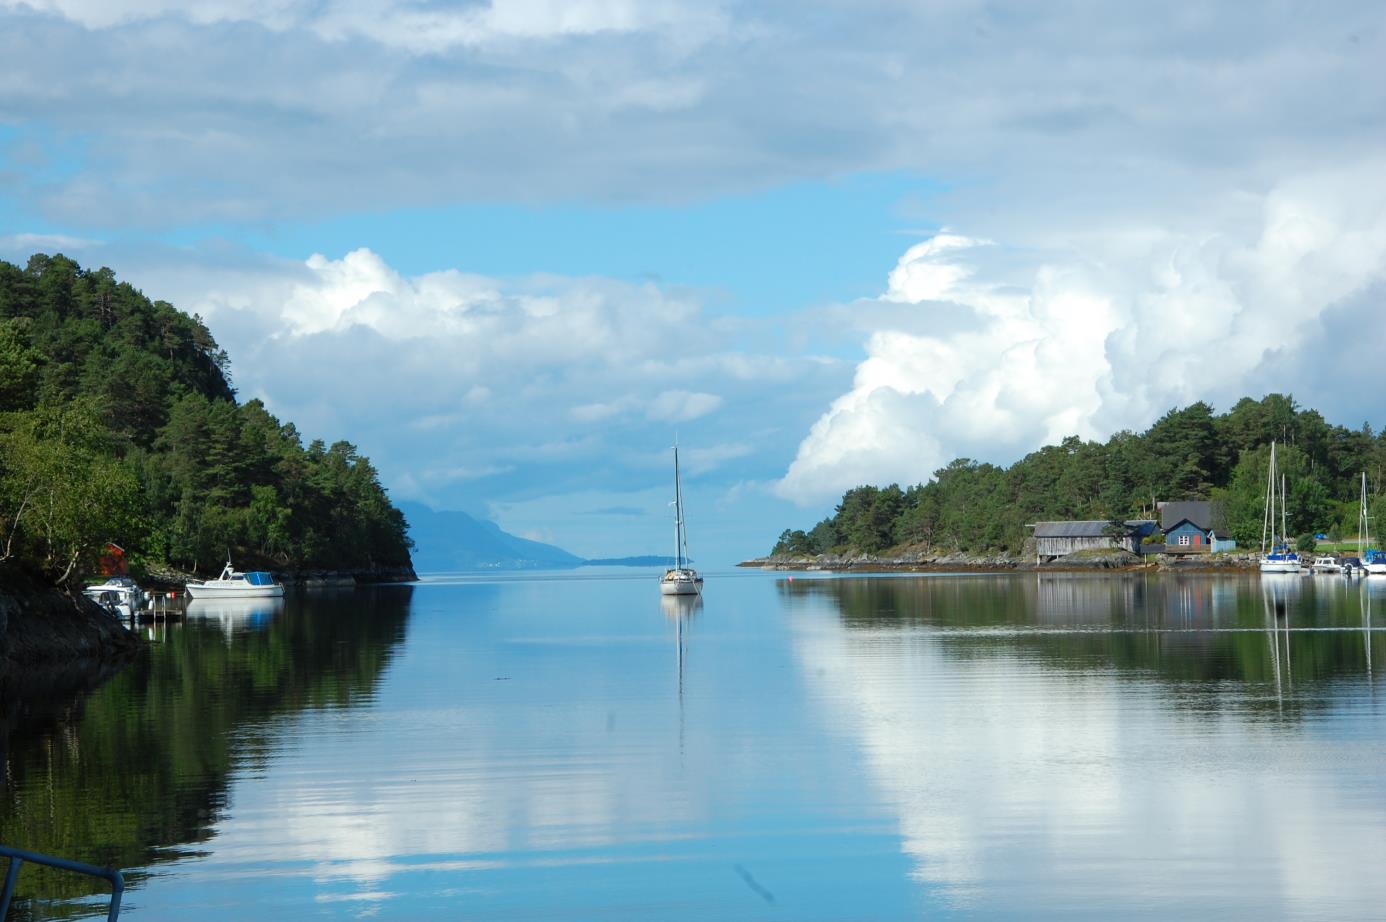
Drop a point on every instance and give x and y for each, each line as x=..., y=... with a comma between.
x=1102, y=335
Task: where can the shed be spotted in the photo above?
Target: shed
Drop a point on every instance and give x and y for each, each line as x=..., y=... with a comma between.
x=1055, y=539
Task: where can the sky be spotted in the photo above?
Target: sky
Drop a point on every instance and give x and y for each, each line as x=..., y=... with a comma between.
x=515, y=250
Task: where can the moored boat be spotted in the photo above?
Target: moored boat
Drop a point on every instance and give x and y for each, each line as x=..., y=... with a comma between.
x=1326, y=565
x=120, y=595
x=1373, y=561
x=233, y=584
x=1276, y=556
x=680, y=579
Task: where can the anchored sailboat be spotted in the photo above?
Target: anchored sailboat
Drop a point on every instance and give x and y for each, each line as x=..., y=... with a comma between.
x=681, y=579
x=1280, y=558
x=1373, y=560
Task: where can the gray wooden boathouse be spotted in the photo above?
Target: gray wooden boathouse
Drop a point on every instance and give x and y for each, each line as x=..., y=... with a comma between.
x=1055, y=539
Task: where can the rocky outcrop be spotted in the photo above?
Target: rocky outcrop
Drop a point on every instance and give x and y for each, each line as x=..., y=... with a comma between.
x=168, y=578
x=914, y=561
x=41, y=625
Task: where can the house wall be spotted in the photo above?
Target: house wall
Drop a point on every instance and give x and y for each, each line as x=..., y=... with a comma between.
x=1194, y=534
x=1047, y=549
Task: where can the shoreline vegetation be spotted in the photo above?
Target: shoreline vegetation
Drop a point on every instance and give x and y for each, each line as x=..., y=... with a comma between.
x=123, y=445
x=920, y=561
x=979, y=514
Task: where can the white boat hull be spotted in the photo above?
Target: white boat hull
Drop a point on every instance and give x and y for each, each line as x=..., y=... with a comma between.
x=121, y=599
x=1280, y=566
x=1375, y=569
x=680, y=587
x=210, y=590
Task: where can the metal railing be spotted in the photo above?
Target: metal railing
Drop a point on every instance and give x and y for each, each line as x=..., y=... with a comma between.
x=18, y=856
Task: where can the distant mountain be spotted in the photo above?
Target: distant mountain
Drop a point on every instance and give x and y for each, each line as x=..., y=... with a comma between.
x=449, y=542
x=649, y=560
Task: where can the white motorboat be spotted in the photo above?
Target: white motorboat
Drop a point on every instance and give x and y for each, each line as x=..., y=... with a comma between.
x=1326, y=565
x=119, y=595
x=680, y=579
x=1276, y=556
x=233, y=584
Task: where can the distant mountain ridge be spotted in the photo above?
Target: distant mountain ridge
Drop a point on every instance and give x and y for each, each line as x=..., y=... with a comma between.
x=447, y=542
x=451, y=542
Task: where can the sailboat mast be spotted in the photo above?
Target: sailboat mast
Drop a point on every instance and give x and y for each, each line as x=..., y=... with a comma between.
x=678, y=514
x=1284, y=529
x=1364, y=536
x=1268, y=517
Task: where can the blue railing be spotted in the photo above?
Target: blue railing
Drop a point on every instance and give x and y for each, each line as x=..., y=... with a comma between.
x=18, y=856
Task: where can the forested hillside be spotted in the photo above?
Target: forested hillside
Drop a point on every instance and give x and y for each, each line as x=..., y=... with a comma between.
x=1190, y=453
x=118, y=424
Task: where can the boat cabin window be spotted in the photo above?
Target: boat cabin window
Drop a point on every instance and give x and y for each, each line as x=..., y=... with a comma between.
x=259, y=578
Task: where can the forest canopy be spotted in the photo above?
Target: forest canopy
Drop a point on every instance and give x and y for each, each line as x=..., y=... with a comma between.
x=1189, y=453
x=118, y=424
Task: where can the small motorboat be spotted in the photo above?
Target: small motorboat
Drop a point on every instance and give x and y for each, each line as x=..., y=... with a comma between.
x=119, y=595
x=1326, y=565
x=1374, y=562
x=233, y=584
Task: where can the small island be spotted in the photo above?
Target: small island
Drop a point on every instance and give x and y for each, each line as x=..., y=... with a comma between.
x=1185, y=493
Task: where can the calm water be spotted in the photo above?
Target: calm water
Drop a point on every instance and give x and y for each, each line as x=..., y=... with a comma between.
x=572, y=747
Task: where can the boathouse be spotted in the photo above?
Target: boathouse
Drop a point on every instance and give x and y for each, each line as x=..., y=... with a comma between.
x=1056, y=539
x=1194, y=527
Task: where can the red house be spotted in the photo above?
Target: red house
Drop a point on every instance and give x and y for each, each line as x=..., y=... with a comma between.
x=112, y=561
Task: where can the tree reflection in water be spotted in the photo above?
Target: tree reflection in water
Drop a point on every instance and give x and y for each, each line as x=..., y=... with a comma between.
x=1191, y=629
x=135, y=774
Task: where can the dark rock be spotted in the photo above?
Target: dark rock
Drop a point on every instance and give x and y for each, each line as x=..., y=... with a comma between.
x=40, y=624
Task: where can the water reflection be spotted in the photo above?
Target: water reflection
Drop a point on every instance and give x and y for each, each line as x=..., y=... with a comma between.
x=878, y=748
x=236, y=614
x=137, y=775
x=1181, y=627
x=1060, y=745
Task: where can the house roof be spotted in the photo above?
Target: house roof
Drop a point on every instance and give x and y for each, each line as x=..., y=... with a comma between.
x=1202, y=514
x=1096, y=528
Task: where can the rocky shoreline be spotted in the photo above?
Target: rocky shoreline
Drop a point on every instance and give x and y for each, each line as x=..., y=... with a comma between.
x=41, y=626
x=959, y=562
x=165, y=578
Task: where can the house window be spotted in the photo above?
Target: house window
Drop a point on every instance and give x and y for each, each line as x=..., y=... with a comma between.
x=1183, y=540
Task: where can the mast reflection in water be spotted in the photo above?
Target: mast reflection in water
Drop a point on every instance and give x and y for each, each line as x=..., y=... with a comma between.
x=549, y=746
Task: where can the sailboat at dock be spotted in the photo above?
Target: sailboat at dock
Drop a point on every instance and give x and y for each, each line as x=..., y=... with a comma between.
x=1373, y=560
x=1280, y=558
x=681, y=579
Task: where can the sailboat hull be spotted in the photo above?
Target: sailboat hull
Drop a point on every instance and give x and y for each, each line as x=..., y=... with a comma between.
x=684, y=582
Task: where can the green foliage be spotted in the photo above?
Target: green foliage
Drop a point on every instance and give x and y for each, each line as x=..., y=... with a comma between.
x=19, y=365
x=1189, y=453
x=117, y=423
x=1305, y=543
x=62, y=494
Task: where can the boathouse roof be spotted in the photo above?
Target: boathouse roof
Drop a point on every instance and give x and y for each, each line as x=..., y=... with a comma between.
x=1093, y=528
